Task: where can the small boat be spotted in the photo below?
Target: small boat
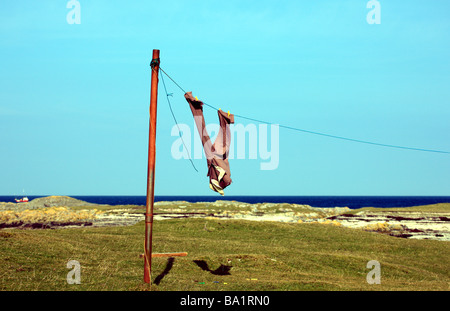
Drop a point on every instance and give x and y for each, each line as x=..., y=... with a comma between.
x=21, y=200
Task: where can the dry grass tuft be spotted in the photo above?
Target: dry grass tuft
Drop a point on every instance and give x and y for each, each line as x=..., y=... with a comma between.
x=46, y=216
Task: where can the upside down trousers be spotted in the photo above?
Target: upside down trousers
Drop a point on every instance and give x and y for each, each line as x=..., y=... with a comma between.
x=216, y=154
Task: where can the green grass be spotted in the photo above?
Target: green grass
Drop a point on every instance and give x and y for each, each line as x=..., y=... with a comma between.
x=259, y=256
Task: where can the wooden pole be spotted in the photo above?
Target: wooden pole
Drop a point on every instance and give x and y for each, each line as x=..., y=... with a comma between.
x=151, y=169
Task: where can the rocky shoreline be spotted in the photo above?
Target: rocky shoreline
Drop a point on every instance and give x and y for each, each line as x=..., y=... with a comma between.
x=405, y=222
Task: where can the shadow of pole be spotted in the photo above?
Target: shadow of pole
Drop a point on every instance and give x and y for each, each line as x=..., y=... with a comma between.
x=166, y=271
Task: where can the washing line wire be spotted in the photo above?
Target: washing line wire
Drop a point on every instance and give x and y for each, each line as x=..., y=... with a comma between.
x=175, y=119
x=317, y=133
x=172, y=80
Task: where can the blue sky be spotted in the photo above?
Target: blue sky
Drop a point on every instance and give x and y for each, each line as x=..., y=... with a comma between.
x=74, y=98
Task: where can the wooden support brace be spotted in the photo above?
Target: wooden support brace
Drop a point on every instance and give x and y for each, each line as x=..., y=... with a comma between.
x=166, y=255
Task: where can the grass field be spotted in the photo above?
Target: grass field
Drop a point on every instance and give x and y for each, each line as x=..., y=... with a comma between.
x=222, y=255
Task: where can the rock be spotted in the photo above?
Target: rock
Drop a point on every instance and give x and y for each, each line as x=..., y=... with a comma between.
x=46, y=202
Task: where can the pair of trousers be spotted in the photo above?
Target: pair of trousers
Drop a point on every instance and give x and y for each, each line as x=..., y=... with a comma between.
x=216, y=153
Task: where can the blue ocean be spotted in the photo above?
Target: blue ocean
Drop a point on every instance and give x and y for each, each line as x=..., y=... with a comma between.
x=352, y=202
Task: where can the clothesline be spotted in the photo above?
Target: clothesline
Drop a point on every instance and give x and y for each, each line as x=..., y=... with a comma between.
x=176, y=122
x=308, y=131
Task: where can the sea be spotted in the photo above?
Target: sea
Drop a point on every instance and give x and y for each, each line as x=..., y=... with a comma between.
x=352, y=202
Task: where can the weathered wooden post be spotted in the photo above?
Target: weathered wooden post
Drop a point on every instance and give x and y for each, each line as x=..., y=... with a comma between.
x=151, y=175
x=151, y=168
